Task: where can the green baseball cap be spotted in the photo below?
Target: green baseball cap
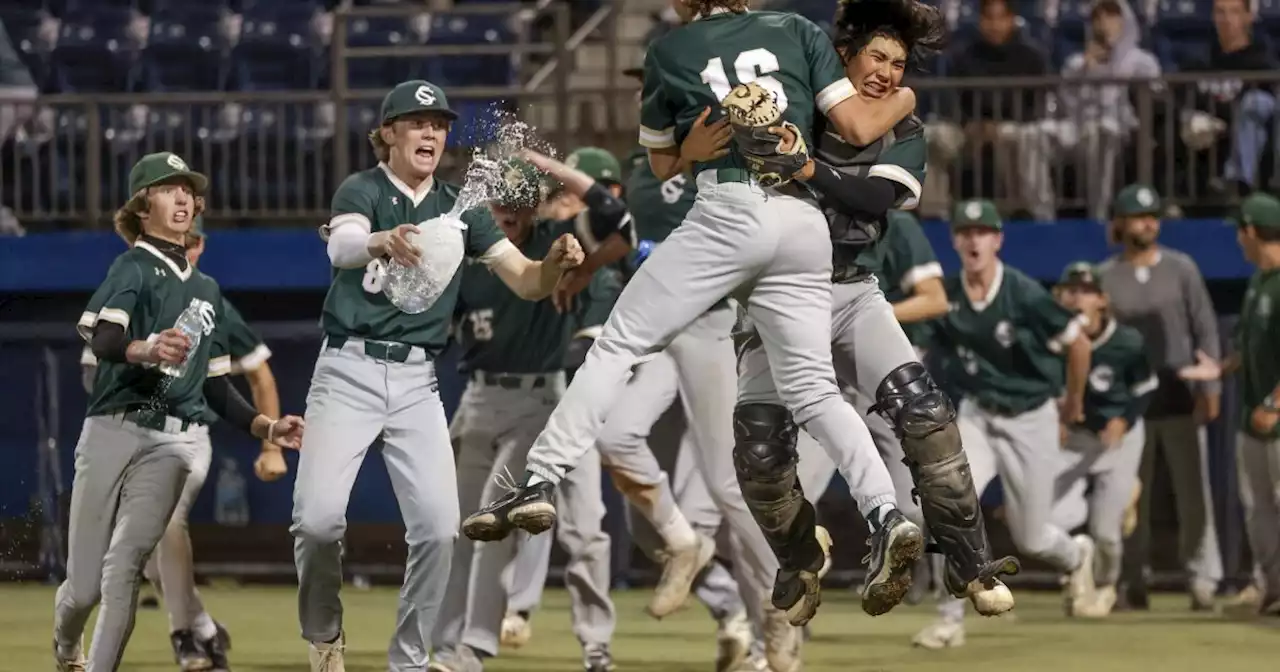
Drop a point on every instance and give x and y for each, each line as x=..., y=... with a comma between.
x=153, y=169
x=415, y=95
x=1136, y=199
x=599, y=164
x=1080, y=273
x=523, y=185
x=1259, y=210
x=976, y=213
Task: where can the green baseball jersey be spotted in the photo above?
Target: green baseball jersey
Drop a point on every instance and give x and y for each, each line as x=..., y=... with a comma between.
x=658, y=207
x=1004, y=351
x=1120, y=378
x=696, y=65
x=594, y=305
x=898, y=156
x=245, y=347
x=503, y=333
x=900, y=259
x=378, y=201
x=1257, y=334
x=146, y=292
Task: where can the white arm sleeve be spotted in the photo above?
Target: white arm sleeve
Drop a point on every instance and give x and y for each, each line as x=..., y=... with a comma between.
x=348, y=245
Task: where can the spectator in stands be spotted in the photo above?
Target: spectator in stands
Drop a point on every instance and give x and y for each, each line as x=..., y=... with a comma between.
x=1095, y=120
x=17, y=88
x=1160, y=292
x=1001, y=116
x=1250, y=106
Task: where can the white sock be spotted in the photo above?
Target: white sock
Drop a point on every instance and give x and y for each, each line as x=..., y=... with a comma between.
x=676, y=532
x=204, y=628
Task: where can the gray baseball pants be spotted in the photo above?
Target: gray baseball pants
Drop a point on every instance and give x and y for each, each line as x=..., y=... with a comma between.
x=1114, y=472
x=1258, y=464
x=354, y=399
x=171, y=569
x=127, y=482
x=494, y=428
x=1184, y=444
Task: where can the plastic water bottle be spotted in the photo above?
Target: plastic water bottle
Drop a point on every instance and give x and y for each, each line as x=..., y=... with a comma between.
x=231, y=496
x=189, y=323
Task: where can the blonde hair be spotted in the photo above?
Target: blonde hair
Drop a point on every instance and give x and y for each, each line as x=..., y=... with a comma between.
x=381, y=149
x=128, y=220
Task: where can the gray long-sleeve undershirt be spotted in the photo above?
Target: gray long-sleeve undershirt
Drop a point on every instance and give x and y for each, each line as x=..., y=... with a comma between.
x=1169, y=304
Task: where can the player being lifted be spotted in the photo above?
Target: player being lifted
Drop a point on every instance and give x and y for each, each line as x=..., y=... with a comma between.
x=1004, y=340
x=858, y=185
x=157, y=329
x=514, y=354
x=199, y=642
x=766, y=241
x=1105, y=448
x=375, y=374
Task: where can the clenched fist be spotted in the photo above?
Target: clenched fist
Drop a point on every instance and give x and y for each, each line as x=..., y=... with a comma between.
x=170, y=347
x=565, y=253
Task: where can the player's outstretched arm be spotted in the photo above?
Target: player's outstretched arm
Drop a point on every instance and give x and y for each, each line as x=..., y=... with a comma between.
x=862, y=120
x=535, y=280
x=225, y=400
x=928, y=300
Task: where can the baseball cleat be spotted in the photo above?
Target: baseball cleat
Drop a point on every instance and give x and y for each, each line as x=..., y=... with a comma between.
x=216, y=648
x=1204, y=596
x=1080, y=583
x=460, y=659
x=596, y=658
x=679, y=568
x=72, y=662
x=189, y=655
x=516, y=631
x=782, y=641
x=799, y=592
x=942, y=634
x=528, y=508
x=733, y=642
x=1247, y=600
x=895, y=547
x=1104, y=600
x=328, y=656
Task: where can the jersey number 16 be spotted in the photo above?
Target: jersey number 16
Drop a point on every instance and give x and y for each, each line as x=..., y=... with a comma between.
x=750, y=66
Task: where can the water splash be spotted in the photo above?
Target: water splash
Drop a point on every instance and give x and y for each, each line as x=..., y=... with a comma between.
x=415, y=289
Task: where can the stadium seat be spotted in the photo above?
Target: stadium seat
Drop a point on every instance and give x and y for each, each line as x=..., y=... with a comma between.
x=263, y=65
x=380, y=72
x=479, y=70
x=88, y=67
x=178, y=66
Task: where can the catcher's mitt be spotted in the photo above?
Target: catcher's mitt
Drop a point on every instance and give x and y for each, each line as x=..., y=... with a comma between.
x=752, y=110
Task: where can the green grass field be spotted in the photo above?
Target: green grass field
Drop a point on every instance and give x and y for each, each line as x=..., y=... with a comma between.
x=263, y=625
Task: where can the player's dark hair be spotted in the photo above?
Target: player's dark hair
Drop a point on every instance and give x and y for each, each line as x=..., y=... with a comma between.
x=920, y=28
x=381, y=149
x=704, y=7
x=1265, y=234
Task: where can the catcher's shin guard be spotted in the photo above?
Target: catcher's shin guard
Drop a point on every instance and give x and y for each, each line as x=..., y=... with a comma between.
x=924, y=420
x=764, y=457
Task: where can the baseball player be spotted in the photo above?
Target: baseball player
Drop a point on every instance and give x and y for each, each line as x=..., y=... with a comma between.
x=199, y=642
x=1106, y=448
x=514, y=352
x=1258, y=368
x=767, y=239
x=375, y=374
x=156, y=327
x=1004, y=339
x=858, y=185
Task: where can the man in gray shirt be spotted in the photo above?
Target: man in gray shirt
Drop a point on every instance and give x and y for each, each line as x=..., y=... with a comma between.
x=1161, y=293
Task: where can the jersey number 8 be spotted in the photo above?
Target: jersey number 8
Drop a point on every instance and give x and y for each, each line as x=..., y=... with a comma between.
x=750, y=66
x=374, y=274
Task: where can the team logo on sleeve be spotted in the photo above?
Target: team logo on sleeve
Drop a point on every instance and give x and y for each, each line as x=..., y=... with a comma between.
x=1101, y=378
x=1004, y=333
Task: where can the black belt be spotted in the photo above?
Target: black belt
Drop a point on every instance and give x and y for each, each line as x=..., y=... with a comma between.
x=507, y=382
x=388, y=352
x=156, y=420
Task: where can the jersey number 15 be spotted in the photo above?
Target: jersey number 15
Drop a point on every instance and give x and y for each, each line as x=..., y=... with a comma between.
x=750, y=66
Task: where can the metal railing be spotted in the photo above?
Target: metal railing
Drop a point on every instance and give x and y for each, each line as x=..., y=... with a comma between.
x=277, y=156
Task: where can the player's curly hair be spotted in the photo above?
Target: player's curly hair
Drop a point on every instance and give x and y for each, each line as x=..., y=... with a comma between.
x=920, y=28
x=381, y=149
x=128, y=223
x=704, y=7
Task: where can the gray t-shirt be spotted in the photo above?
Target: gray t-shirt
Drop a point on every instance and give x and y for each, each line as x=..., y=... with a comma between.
x=1169, y=304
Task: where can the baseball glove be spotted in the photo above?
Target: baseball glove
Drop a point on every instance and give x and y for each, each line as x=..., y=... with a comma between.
x=752, y=110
